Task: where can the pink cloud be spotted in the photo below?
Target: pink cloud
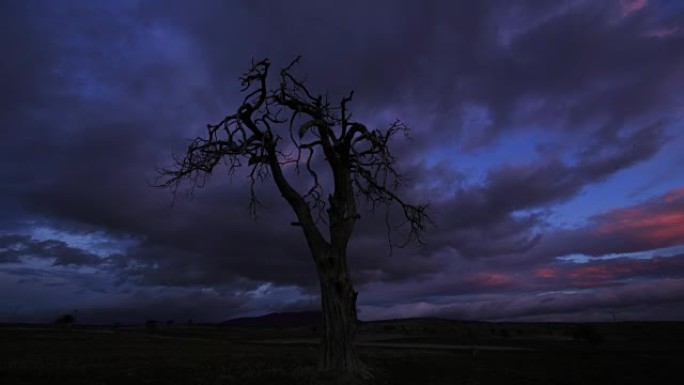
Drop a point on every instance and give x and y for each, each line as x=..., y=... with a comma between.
x=663, y=32
x=657, y=229
x=592, y=273
x=674, y=195
x=630, y=6
x=489, y=279
x=545, y=272
x=652, y=224
x=610, y=272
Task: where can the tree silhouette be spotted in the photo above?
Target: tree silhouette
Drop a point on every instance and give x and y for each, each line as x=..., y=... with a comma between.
x=319, y=135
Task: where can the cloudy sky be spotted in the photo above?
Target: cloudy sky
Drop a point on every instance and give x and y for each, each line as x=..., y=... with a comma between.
x=547, y=137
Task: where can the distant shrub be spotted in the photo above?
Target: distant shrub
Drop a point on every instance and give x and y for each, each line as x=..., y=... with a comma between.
x=151, y=325
x=169, y=322
x=389, y=328
x=65, y=319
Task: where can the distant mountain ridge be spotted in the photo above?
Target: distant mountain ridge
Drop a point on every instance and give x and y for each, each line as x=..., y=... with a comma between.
x=288, y=319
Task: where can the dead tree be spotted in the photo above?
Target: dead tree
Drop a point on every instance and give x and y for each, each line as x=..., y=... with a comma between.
x=319, y=134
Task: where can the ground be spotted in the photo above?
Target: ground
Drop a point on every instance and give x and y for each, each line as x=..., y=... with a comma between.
x=398, y=352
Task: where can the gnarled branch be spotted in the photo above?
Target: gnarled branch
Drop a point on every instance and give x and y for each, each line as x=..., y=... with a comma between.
x=359, y=159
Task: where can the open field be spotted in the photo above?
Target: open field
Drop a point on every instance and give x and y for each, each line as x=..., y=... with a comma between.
x=398, y=352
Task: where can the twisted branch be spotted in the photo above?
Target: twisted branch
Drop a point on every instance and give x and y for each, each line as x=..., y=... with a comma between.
x=360, y=159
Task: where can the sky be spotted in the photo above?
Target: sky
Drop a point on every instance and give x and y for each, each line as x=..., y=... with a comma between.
x=546, y=136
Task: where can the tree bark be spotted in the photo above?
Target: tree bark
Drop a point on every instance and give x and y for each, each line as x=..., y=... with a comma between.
x=338, y=300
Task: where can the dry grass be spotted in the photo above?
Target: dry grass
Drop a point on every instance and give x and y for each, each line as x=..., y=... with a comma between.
x=629, y=354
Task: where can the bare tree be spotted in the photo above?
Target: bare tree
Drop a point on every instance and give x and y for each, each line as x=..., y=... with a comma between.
x=318, y=134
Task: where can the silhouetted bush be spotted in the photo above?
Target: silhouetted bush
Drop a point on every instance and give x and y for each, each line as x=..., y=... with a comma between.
x=65, y=319
x=151, y=325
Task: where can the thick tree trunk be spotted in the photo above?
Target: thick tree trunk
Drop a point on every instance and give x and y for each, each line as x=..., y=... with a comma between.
x=338, y=300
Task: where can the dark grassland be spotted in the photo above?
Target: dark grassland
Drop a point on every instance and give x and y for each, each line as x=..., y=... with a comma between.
x=398, y=352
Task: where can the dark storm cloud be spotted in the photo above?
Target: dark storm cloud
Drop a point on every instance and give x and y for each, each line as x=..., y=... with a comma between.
x=26, y=74
x=504, y=213
x=14, y=247
x=481, y=221
x=179, y=307
x=7, y=253
x=513, y=188
x=129, y=305
x=96, y=94
x=665, y=292
x=572, y=63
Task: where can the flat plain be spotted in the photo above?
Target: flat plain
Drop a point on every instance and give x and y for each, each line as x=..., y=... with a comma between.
x=419, y=351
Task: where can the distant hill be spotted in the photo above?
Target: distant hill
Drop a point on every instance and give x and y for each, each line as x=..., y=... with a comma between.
x=311, y=318
x=286, y=320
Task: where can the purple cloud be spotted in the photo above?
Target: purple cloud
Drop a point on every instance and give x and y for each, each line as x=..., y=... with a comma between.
x=515, y=109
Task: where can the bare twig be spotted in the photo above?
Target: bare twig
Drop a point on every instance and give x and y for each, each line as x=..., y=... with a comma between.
x=359, y=159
